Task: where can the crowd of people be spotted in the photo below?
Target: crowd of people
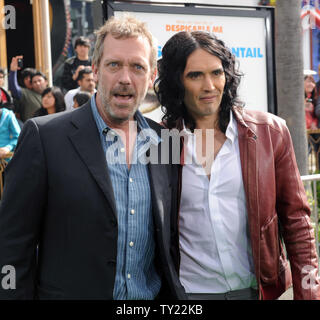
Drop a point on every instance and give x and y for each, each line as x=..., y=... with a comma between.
x=312, y=114
x=312, y=105
x=33, y=98
x=97, y=208
x=9, y=127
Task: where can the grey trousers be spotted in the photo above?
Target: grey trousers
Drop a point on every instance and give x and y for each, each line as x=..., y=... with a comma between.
x=243, y=294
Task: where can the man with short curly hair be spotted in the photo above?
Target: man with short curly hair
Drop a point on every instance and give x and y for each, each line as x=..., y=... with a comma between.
x=77, y=190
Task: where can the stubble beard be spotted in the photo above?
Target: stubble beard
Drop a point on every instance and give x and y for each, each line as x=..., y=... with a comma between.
x=107, y=109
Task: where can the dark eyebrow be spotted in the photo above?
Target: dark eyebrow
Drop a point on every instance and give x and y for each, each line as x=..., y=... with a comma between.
x=220, y=70
x=193, y=74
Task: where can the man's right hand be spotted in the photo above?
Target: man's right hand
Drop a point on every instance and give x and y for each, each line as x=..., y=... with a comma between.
x=14, y=63
x=76, y=74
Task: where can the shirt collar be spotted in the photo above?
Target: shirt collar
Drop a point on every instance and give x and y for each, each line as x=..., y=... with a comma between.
x=232, y=131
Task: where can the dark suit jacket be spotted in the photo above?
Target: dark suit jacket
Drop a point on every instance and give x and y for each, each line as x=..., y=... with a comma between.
x=58, y=195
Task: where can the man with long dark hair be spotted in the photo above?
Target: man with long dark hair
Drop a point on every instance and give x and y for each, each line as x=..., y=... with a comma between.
x=239, y=182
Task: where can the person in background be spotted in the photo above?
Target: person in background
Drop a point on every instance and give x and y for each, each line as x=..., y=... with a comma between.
x=25, y=78
x=9, y=132
x=310, y=96
x=86, y=84
x=29, y=99
x=52, y=102
x=80, y=99
x=6, y=101
x=73, y=65
x=241, y=196
x=26, y=75
x=312, y=113
x=5, y=98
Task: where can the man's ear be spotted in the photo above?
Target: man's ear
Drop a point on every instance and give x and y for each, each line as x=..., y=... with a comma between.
x=153, y=78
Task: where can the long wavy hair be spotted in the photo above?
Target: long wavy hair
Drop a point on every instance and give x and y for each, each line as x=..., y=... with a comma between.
x=169, y=88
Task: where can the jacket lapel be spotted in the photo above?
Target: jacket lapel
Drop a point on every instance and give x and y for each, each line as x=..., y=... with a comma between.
x=161, y=196
x=160, y=188
x=86, y=141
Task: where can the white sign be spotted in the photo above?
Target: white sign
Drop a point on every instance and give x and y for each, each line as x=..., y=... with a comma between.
x=245, y=36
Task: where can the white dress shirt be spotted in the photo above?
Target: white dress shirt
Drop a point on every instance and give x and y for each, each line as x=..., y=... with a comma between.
x=215, y=248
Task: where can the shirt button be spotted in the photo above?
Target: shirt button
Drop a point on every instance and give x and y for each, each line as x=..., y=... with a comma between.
x=130, y=179
x=131, y=244
x=132, y=211
x=122, y=150
x=129, y=276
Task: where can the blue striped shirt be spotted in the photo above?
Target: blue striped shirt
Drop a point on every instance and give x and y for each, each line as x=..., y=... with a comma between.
x=136, y=277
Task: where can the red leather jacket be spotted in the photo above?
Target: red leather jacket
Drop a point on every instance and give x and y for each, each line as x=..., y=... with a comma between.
x=276, y=200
